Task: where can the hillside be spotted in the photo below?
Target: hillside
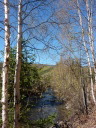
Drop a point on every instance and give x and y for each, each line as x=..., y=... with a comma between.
x=43, y=67
x=46, y=70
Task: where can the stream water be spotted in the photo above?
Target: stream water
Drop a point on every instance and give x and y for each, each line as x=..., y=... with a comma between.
x=47, y=105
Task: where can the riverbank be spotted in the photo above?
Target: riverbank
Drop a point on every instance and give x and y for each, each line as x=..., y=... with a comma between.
x=86, y=121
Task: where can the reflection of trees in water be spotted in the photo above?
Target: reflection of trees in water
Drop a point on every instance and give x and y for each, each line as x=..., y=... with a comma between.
x=42, y=112
x=46, y=111
x=46, y=106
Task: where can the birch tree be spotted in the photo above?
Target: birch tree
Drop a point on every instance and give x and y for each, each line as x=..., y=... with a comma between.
x=5, y=67
x=17, y=69
x=90, y=33
x=86, y=50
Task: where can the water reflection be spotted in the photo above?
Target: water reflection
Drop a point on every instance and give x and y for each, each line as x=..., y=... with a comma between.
x=46, y=106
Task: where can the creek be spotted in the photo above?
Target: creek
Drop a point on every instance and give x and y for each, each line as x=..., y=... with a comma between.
x=47, y=105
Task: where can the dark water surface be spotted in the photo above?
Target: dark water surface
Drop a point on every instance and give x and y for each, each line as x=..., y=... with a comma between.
x=47, y=105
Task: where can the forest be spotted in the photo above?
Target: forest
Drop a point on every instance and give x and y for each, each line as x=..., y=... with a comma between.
x=47, y=64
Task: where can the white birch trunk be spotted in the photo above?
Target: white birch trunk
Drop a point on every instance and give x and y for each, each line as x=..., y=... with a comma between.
x=90, y=33
x=4, y=99
x=18, y=69
x=87, y=54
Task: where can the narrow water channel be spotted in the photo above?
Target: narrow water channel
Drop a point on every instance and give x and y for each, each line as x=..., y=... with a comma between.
x=47, y=105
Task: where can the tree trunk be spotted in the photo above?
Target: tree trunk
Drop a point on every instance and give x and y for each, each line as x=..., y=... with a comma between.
x=4, y=99
x=85, y=96
x=87, y=54
x=90, y=33
x=17, y=70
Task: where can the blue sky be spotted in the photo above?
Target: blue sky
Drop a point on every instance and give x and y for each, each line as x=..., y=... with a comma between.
x=49, y=57
x=44, y=57
x=46, y=34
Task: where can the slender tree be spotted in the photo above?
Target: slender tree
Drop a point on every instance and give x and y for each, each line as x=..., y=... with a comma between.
x=90, y=33
x=86, y=50
x=5, y=67
x=17, y=69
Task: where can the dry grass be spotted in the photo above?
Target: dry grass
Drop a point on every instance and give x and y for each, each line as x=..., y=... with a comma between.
x=86, y=121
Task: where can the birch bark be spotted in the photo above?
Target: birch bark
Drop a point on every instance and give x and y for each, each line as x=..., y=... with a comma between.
x=5, y=70
x=17, y=69
x=87, y=54
x=90, y=33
